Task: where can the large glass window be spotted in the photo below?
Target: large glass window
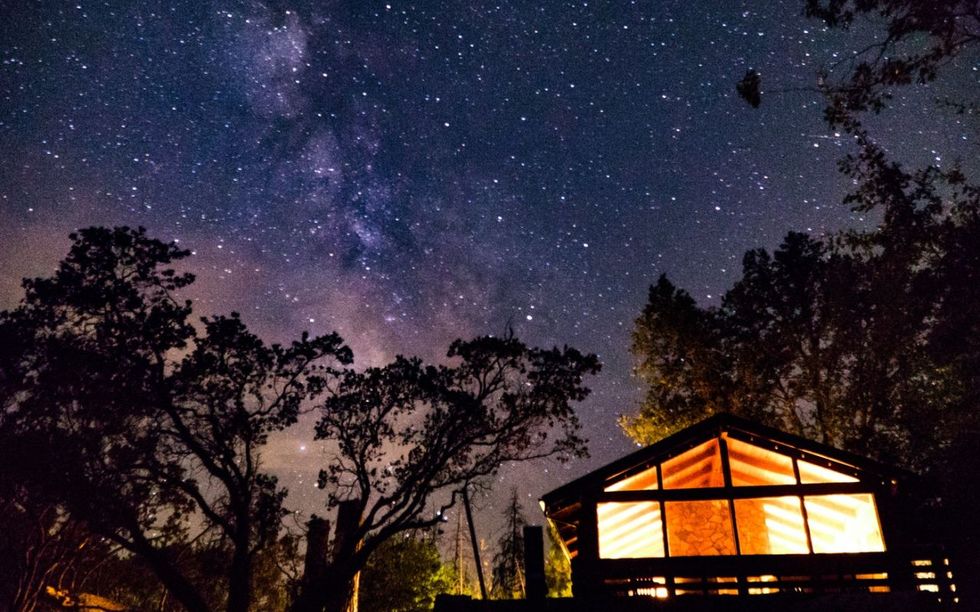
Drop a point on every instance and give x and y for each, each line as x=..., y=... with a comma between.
x=844, y=523
x=752, y=465
x=770, y=526
x=811, y=473
x=630, y=530
x=644, y=481
x=699, y=528
x=781, y=524
x=696, y=468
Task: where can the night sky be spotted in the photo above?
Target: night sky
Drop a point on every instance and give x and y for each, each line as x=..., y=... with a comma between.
x=406, y=173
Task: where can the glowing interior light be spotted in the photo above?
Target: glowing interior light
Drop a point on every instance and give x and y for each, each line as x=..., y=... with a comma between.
x=811, y=473
x=844, y=523
x=752, y=465
x=770, y=526
x=698, y=467
x=629, y=530
x=659, y=592
x=644, y=481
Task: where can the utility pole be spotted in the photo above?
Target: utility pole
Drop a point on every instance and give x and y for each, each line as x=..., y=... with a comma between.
x=458, y=555
x=476, y=547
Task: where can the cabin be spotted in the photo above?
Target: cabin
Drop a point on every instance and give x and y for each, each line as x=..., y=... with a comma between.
x=729, y=507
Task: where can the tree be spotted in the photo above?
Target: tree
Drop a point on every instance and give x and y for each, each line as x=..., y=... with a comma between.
x=404, y=574
x=119, y=410
x=678, y=351
x=508, y=564
x=914, y=42
x=913, y=360
x=464, y=580
x=41, y=548
x=557, y=567
x=920, y=39
x=819, y=338
x=408, y=435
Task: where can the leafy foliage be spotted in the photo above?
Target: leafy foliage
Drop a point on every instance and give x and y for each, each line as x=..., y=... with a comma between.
x=749, y=88
x=920, y=39
x=407, y=433
x=837, y=343
x=119, y=411
x=557, y=567
x=404, y=574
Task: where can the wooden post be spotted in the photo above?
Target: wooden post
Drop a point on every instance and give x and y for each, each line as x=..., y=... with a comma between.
x=317, y=539
x=586, y=581
x=536, y=587
x=315, y=565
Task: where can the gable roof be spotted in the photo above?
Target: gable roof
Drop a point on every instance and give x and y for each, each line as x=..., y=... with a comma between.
x=862, y=468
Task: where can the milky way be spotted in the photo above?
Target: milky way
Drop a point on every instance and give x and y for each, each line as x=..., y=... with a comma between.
x=409, y=173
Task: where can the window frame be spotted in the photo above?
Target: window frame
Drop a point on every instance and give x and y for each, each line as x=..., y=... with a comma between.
x=729, y=493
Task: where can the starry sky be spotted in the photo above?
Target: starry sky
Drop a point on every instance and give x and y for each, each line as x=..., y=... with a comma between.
x=406, y=173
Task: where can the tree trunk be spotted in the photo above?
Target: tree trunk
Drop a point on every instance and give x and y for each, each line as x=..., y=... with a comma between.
x=342, y=596
x=240, y=580
x=336, y=591
x=331, y=587
x=175, y=583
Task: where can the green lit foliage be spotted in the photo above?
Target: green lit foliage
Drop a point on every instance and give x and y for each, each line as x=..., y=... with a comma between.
x=404, y=574
x=557, y=568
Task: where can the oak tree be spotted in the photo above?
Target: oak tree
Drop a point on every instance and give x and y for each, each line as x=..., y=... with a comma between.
x=409, y=436
x=145, y=427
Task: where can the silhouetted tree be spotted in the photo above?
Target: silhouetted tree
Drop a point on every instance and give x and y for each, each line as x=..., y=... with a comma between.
x=904, y=42
x=409, y=435
x=134, y=422
x=508, y=563
x=827, y=341
x=918, y=40
x=908, y=368
x=679, y=354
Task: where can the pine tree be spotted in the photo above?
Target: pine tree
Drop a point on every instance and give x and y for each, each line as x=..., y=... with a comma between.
x=508, y=563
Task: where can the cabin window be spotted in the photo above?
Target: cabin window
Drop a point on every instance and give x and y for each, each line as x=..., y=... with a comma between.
x=752, y=465
x=673, y=521
x=811, y=473
x=630, y=530
x=844, y=523
x=698, y=528
x=696, y=468
x=771, y=526
x=644, y=481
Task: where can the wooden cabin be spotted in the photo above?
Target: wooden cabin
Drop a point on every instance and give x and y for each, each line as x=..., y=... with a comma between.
x=730, y=507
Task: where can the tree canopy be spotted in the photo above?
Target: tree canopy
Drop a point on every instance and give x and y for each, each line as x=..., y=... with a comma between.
x=148, y=429
x=410, y=436
x=911, y=42
x=861, y=339
x=126, y=422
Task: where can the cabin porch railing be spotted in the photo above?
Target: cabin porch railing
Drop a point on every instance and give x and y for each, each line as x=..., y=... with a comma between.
x=882, y=572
